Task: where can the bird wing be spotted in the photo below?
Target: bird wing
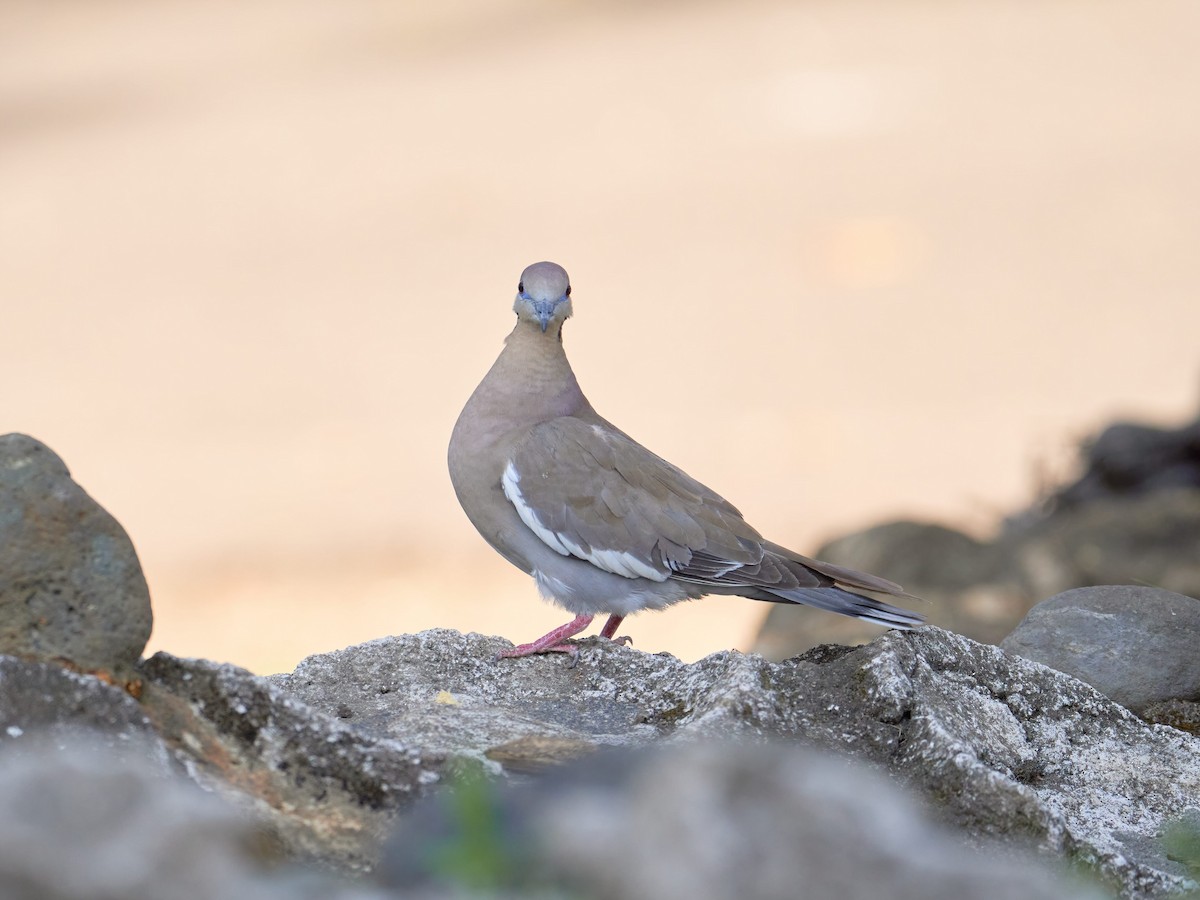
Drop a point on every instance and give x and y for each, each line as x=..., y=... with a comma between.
x=590, y=491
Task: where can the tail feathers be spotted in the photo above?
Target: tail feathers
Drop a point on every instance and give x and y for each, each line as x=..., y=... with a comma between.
x=857, y=606
x=852, y=578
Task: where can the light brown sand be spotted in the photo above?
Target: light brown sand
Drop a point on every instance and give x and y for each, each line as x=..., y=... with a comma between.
x=841, y=260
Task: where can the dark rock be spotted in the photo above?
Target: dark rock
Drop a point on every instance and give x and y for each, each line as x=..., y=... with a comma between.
x=80, y=823
x=71, y=588
x=963, y=584
x=1149, y=539
x=43, y=701
x=1137, y=645
x=999, y=746
x=983, y=590
x=1181, y=714
x=320, y=790
x=1132, y=517
x=1131, y=458
x=711, y=820
x=328, y=789
x=921, y=553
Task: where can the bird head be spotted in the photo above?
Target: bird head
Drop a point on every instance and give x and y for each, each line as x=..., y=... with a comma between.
x=543, y=295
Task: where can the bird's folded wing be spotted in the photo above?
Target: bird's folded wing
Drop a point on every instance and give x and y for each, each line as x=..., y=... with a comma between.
x=591, y=492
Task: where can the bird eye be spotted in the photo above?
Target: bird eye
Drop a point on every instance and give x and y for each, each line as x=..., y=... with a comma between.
x=521, y=287
x=568, y=290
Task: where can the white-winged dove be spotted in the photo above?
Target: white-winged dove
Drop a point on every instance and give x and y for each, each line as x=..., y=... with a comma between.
x=601, y=523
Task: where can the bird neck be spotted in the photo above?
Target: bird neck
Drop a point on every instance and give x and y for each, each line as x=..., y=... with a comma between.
x=533, y=369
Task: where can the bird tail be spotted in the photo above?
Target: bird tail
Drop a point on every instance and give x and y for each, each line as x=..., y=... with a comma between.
x=848, y=603
x=838, y=593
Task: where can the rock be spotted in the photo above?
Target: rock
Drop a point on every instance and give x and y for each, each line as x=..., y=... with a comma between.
x=792, y=823
x=71, y=588
x=1181, y=840
x=326, y=758
x=80, y=823
x=327, y=789
x=46, y=702
x=966, y=586
x=324, y=791
x=443, y=691
x=983, y=589
x=1132, y=517
x=711, y=820
x=1137, y=539
x=1137, y=645
x=921, y=553
x=999, y=746
x=1181, y=714
x=1131, y=458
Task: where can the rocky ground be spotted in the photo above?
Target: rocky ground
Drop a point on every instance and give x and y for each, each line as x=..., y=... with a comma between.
x=1131, y=517
x=1063, y=763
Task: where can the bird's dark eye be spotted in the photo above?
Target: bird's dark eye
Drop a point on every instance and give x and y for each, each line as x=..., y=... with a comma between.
x=521, y=287
x=568, y=290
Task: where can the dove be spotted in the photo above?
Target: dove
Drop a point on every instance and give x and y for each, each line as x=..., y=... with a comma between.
x=602, y=524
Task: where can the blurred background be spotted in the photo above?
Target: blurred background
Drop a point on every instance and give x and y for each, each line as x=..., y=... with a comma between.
x=843, y=261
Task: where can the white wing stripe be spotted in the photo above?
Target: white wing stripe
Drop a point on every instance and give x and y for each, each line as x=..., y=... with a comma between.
x=625, y=564
x=509, y=483
x=616, y=561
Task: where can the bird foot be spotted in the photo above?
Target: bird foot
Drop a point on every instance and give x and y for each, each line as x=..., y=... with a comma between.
x=554, y=642
x=558, y=640
x=533, y=649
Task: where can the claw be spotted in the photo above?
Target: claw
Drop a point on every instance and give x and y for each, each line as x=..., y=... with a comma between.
x=532, y=650
x=610, y=628
x=553, y=642
x=558, y=640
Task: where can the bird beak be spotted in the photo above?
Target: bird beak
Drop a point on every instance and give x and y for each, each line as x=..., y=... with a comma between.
x=544, y=309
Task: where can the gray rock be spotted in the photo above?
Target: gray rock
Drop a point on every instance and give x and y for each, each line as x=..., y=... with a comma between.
x=922, y=553
x=1151, y=538
x=444, y=691
x=79, y=823
x=1137, y=645
x=999, y=746
x=967, y=586
x=318, y=789
x=71, y=587
x=43, y=701
x=715, y=820
x=983, y=589
x=1128, y=457
x=327, y=789
x=1181, y=714
x=1132, y=517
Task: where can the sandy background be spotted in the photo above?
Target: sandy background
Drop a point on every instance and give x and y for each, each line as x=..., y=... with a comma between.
x=841, y=260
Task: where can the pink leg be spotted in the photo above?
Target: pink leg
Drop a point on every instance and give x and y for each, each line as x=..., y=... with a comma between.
x=554, y=641
x=610, y=628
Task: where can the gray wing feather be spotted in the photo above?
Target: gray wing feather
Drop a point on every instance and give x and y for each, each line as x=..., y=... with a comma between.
x=598, y=490
x=611, y=501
